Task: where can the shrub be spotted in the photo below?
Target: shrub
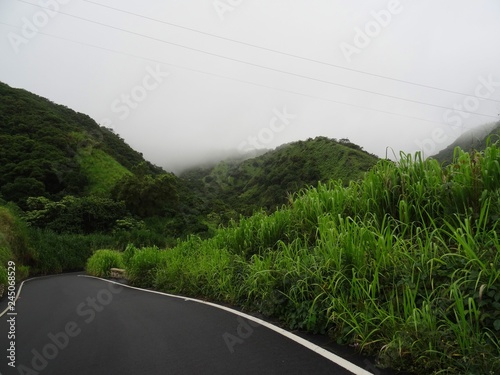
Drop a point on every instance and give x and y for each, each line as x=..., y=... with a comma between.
x=102, y=261
x=129, y=252
x=143, y=265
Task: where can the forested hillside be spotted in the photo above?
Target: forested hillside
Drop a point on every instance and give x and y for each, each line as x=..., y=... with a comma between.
x=50, y=150
x=266, y=181
x=77, y=187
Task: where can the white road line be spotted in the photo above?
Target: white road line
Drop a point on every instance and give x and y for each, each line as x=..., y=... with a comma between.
x=309, y=345
x=21, y=287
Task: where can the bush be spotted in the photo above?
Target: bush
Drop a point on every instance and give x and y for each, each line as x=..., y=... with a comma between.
x=102, y=261
x=75, y=215
x=142, y=267
x=128, y=254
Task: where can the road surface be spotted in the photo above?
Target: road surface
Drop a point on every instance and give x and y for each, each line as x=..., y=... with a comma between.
x=71, y=324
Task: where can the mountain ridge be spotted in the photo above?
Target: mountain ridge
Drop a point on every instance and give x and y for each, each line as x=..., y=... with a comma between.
x=474, y=139
x=265, y=181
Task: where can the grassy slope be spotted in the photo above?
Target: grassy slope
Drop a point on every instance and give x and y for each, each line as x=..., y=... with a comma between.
x=404, y=264
x=102, y=170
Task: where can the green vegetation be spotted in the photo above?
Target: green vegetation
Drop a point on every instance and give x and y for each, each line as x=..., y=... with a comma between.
x=241, y=187
x=142, y=265
x=147, y=196
x=75, y=215
x=102, y=171
x=403, y=264
x=56, y=253
x=101, y=262
x=49, y=150
x=79, y=187
x=14, y=243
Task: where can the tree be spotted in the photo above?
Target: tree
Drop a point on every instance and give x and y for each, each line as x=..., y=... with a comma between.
x=75, y=215
x=21, y=188
x=147, y=196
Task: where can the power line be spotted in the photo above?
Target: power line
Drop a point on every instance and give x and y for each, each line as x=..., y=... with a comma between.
x=233, y=79
x=288, y=54
x=261, y=66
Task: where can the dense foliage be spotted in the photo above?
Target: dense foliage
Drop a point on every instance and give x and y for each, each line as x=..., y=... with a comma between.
x=75, y=215
x=266, y=181
x=101, y=262
x=44, y=146
x=72, y=177
x=14, y=244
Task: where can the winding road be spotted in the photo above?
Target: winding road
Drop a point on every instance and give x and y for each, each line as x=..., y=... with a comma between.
x=77, y=325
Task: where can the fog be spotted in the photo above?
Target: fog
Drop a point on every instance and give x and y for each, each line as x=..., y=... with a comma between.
x=188, y=82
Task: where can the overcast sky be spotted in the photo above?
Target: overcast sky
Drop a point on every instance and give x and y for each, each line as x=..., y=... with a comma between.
x=184, y=80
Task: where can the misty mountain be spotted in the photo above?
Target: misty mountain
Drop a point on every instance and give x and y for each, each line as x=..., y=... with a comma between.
x=49, y=150
x=474, y=139
x=265, y=181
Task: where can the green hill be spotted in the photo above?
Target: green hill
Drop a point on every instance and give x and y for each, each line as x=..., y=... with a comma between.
x=50, y=150
x=267, y=180
x=474, y=139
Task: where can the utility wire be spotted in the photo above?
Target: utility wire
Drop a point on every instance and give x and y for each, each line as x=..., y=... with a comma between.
x=234, y=79
x=258, y=65
x=288, y=54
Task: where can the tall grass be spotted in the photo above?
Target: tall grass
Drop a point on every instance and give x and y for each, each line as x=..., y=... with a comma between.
x=142, y=266
x=56, y=253
x=101, y=262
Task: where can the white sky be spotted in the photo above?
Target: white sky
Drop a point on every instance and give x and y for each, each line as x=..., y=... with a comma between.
x=220, y=85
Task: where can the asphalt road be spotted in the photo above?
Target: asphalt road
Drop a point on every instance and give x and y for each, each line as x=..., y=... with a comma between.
x=72, y=325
